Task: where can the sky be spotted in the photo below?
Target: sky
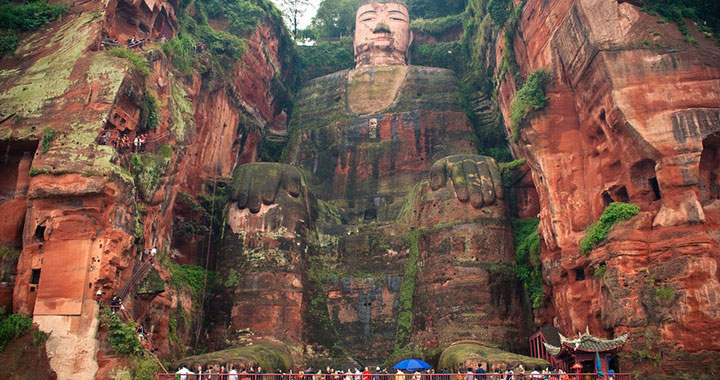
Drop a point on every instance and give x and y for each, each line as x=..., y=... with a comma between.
x=307, y=17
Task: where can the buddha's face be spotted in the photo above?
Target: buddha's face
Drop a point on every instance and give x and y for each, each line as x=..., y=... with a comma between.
x=382, y=34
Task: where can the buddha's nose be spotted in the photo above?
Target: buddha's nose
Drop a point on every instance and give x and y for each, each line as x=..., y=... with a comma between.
x=381, y=27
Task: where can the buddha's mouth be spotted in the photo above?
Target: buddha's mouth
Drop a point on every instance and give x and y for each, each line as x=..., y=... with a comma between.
x=382, y=40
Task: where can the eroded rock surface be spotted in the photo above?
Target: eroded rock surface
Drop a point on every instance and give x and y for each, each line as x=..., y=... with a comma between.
x=632, y=117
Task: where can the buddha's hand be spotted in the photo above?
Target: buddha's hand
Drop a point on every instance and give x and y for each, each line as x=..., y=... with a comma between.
x=475, y=178
x=268, y=183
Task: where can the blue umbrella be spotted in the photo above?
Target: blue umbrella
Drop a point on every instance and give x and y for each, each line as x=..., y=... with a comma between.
x=412, y=365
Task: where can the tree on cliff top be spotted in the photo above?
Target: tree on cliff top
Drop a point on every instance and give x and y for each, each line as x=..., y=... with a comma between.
x=334, y=18
x=293, y=10
x=704, y=11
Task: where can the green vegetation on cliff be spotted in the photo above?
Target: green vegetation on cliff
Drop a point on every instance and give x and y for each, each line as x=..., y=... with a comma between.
x=16, y=18
x=191, y=277
x=48, y=137
x=615, y=212
x=121, y=335
x=407, y=290
x=531, y=97
x=11, y=327
x=437, y=26
x=147, y=168
x=705, y=13
x=326, y=57
x=336, y=18
x=499, y=10
x=323, y=329
x=138, y=62
x=527, y=258
x=124, y=341
x=213, y=37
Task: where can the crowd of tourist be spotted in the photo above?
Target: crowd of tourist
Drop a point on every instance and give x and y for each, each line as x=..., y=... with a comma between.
x=130, y=43
x=479, y=373
x=125, y=143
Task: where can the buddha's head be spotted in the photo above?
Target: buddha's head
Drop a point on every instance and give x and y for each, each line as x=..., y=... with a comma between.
x=382, y=33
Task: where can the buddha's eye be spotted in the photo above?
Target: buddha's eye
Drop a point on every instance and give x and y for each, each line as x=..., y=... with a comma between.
x=368, y=19
x=396, y=19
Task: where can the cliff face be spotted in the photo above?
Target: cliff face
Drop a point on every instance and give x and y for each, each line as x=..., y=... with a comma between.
x=80, y=208
x=633, y=117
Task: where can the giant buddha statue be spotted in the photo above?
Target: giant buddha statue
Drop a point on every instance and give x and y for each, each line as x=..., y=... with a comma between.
x=381, y=185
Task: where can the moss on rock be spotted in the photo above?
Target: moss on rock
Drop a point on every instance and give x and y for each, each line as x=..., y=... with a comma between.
x=148, y=168
x=270, y=356
x=458, y=354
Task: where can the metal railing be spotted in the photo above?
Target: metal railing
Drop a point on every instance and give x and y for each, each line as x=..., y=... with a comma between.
x=408, y=376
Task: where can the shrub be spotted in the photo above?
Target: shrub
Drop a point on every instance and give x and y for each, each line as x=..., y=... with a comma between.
x=499, y=11
x=437, y=26
x=531, y=97
x=139, y=63
x=17, y=18
x=224, y=47
x=12, y=327
x=507, y=168
x=48, y=137
x=600, y=271
x=326, y=57
x=147, y=168
x=527, y=258
x=441, y=54
x=179, y=49
x=191, y=277
x=614, y=213
x=122, y=336
x=9, y=253
x=233, y=279
x=665, y=293
x=706, y=13
x=434, y=8
x=150, y=110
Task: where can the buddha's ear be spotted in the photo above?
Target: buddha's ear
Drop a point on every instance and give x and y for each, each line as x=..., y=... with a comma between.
x=407, y=53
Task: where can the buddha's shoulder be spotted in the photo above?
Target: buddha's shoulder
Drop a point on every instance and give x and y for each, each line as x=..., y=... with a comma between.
x=337, y=79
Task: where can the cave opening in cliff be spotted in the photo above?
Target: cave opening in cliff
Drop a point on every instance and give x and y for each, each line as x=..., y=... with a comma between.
x=644, y=181
x=579, y=274
x=616, y=193
x=653, y=182
x=162, y=27
x=709, y=183
x=125, y=19
x=40, y=233
x=35, y=277
x=16, y=157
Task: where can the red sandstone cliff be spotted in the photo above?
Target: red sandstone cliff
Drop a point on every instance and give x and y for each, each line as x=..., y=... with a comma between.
x=85, y=212
x=634, y=116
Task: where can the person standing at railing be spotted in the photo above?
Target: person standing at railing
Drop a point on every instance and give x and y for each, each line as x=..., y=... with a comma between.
x=480, y=371
x=469, y=374
x=366, y=374
x=232, y=375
